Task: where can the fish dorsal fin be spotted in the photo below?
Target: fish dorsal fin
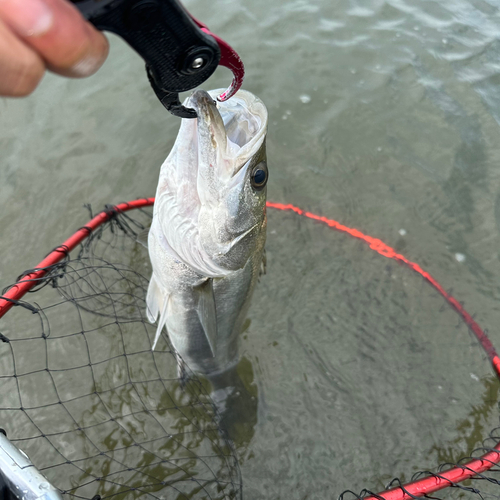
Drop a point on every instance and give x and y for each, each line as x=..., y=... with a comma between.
x=207, y=312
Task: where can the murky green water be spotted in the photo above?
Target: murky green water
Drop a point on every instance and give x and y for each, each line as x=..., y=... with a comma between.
x=383, y=115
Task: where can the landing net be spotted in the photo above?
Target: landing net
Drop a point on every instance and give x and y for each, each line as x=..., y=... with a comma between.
x=83, y=394
x=99, y=413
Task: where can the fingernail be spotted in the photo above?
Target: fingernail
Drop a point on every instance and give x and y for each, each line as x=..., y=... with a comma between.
x=93, y=60
x=27, y=17
x=87, y=66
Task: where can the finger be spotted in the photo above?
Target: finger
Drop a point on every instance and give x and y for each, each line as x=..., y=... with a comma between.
x=20, y=67
x=55, y=29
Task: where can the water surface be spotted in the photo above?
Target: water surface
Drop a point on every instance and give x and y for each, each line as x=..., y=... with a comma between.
x=384, y=114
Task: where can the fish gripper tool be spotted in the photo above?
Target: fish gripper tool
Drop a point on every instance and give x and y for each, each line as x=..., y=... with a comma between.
x=180, y=52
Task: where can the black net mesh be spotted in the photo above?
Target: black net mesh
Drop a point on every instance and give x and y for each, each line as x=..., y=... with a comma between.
x=83, y=394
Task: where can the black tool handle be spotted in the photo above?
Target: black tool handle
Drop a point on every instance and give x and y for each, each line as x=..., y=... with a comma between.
x=178, y=54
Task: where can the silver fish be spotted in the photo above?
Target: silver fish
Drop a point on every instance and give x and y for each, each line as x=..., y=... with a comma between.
x=206, y=241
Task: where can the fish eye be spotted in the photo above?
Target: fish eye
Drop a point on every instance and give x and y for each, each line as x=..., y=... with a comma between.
x=259, y=176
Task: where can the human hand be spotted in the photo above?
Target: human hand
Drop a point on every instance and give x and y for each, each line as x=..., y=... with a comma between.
x=36, y=35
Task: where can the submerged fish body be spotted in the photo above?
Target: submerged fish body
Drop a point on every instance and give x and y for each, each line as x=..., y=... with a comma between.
x=206, y=241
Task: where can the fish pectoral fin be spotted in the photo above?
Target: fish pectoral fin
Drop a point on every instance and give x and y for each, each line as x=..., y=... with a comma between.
x=162, y=320
x=142, y=237
x=207, y=312
x=154, y=300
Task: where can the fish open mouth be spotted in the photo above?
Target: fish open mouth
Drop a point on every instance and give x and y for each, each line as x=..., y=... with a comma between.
x=237, y=125
x=241, y=122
